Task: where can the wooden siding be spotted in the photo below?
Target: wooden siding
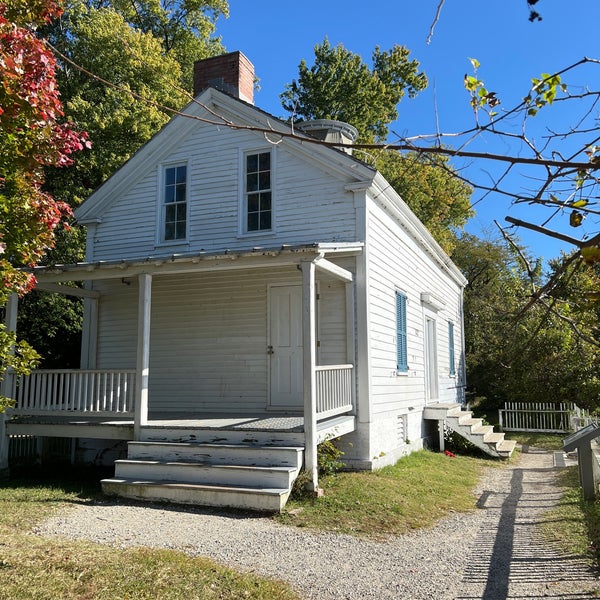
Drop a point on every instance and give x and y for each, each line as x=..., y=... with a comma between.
x=310, y=205
x=331, y=323
x=208, y=341
x=398, y=263
x=117, y=324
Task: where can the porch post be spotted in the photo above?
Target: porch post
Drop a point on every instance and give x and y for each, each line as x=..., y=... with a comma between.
x=12, y=306
x=89, y=339
x=143, y=354
x=441, y=435
x=351, y=338
x=309, y=364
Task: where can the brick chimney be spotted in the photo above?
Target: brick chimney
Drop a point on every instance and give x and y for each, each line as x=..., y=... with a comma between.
x=232, y=73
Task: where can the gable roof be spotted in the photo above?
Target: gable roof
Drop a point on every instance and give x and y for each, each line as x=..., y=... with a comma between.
x=208, y=107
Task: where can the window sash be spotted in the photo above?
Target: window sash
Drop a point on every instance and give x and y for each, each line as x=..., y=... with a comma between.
x=401, y=337
x=174, y=204
x=258, y=192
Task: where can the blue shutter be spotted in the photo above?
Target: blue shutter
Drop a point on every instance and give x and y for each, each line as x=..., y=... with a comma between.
x=402, y=360
x=451, y=347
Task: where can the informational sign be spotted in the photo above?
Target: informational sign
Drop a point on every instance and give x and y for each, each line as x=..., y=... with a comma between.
x=583, y=436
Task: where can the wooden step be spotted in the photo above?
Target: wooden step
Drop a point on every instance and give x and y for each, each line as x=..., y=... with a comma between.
x=201, y=473
x=217, y=436
x=238, y=454
x=249, y=498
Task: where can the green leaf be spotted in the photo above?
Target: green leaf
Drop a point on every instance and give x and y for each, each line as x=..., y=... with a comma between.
x=475, y=63
x=579, y=203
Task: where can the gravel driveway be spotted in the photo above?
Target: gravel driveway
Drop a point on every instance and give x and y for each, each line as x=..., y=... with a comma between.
x=493, y=553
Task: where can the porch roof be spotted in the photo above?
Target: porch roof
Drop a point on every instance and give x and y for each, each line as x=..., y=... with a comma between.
x=254, y=257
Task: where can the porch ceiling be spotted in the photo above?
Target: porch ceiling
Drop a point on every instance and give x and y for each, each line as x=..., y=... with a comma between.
x=255, y=257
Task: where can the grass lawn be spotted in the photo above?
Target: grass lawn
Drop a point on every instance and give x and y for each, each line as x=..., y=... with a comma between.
x=414, y=493
x=48, y=568
x=575, y=523
x=547, y=441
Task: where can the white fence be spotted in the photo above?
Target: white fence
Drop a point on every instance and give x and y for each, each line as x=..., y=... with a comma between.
x=542, y=417
x=334, y=390
x=103, y=393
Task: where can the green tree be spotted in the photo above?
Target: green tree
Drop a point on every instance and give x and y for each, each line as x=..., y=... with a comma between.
x=184, y=28
x=117, y=121
x=341, y=86
x=31, y=138
x=517, y=350
x=429, y=185
x=141, y=54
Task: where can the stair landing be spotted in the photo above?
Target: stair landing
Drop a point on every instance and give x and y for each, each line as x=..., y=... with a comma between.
x=456, y=418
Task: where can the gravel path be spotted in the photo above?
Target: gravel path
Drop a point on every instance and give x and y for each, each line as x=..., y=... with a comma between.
x=494, y=553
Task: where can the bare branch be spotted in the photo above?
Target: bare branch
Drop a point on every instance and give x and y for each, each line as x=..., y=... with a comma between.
x=435, y=20
x=572, y=324
x=545, y=231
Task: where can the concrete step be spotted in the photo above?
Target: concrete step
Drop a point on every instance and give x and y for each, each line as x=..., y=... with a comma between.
x=440, y=410
x=471, y=428
x=506, y=448
x=258, y=499
x=464, y=415
x=483, y=430
x=470, y=423
x=494, y=438
x=224, y=454
x=189, y=472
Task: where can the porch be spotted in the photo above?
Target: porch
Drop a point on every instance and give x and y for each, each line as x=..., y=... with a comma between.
x=101, y=404
x=247, y=461
x=250, y=348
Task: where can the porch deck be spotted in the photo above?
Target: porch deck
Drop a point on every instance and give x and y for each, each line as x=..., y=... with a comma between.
x=176, y=425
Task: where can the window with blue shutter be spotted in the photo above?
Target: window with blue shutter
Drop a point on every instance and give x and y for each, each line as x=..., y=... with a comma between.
x=402, y=350
x=451, y=347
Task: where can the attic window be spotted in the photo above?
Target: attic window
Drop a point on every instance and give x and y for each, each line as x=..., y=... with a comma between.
x=174, y=205
x=258, y=198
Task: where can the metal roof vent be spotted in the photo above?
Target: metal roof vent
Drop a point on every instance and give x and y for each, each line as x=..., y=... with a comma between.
x=331, y=131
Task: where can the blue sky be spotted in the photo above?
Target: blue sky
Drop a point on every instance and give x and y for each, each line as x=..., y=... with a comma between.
x=276, y=35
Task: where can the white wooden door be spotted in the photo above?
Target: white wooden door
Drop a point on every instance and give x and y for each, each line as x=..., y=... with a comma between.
x=431, y=364
x=285, y=347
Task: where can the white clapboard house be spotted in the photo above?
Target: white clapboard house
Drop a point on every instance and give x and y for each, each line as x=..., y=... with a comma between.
x=248, y=294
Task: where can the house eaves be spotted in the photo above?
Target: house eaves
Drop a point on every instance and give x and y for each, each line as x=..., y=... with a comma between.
x=206, y=108
x=221, y=260
x=390, y=200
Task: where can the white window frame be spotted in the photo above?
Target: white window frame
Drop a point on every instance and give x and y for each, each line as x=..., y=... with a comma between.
x=243, y=197
x=451, y=349
x=161, y=205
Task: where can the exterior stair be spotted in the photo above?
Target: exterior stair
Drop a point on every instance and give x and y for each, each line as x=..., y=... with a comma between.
x=235, y=475
x=462, y=422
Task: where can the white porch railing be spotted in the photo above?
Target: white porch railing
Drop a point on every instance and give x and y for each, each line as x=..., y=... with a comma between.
x=334, y=390
x=112, y=392
x=542, y=417
x=102, y=393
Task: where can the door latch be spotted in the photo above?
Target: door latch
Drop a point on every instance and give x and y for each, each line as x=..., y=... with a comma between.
x=270, y=350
